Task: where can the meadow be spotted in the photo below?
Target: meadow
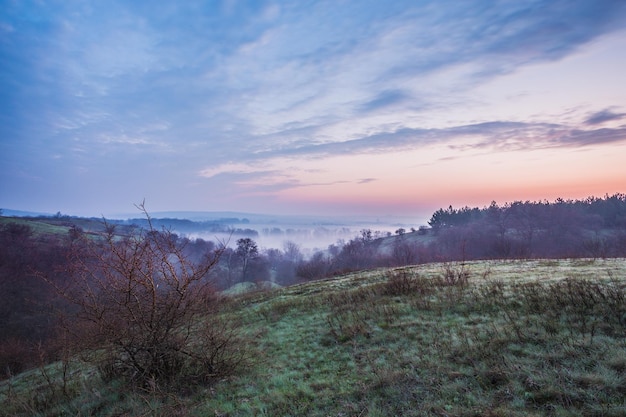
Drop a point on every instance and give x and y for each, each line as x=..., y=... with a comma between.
x=480, y=338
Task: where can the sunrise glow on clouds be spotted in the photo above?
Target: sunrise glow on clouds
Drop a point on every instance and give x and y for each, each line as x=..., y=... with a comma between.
x=349, y=107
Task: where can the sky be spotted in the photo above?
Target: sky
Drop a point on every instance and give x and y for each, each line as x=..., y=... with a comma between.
x=340, y=107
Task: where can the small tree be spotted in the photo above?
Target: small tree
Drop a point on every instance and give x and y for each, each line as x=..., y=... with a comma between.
x=247, y=250
x=144, y=309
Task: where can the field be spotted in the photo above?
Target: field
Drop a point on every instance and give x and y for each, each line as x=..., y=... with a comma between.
x=498, y=338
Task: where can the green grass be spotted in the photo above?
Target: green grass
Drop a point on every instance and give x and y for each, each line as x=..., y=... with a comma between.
x=519, y=338
x=39, y=227
x=59, y=227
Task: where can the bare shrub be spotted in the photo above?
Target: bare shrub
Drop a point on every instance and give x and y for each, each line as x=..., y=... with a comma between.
x=401, y=282
x=141, y=308
x=398, y=283
x=454, y=274
x=588, y=305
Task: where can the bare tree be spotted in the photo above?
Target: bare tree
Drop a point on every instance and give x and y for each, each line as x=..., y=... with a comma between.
x=144, y=308
x=247, y=251
x=292, y=251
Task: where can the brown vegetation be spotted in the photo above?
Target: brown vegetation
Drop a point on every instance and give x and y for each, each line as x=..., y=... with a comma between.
x=144, y=310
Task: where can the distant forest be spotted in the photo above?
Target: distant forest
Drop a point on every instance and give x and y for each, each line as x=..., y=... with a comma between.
x=593, y=227
x=589, y=228
x=189, y=226
x=32, y=248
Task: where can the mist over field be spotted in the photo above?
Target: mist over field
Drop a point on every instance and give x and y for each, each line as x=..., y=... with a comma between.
x=309, y=233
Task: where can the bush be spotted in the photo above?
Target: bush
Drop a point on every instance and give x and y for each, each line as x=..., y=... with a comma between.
x=146, y=312
x=401, y=282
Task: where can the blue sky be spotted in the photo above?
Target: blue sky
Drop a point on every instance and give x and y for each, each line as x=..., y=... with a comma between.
x=309, y=107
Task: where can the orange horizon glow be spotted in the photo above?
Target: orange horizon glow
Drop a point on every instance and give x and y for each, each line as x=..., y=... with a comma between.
x=463, y=180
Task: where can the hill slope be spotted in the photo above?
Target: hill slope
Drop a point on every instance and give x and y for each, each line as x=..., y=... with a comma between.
x=483, y=338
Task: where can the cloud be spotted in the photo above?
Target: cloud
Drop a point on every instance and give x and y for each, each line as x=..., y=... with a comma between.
x=386, y=99
x=231, y=168
x=257, y=67
x=548, y=29
x=366, y=180
x=577, y=137
x=245, y=91
x=497, y=39
x=398, y=63
x=604, y=116
x=503, y=135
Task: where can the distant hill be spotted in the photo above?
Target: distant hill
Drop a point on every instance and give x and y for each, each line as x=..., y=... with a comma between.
x=279, y=219
x=22, y=213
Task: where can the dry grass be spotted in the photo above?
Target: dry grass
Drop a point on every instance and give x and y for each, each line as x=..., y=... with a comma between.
x=511, y=338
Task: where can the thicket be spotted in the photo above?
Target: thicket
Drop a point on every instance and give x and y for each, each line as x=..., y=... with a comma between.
x=145, y=310
x=27, y=319
x=142, y=308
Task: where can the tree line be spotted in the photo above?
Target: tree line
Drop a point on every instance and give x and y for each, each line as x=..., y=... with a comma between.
x=592, y=227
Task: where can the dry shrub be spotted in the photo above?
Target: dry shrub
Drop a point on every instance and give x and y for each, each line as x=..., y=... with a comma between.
x=455, y=274
x=146, y=312
x=401, y=282
x=582, y=306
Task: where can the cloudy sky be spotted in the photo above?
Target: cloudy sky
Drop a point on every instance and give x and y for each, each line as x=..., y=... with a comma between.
x=309, y=107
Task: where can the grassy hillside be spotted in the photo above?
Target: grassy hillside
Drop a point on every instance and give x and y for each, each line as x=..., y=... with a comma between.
x=60, y=226
x=505, y=338
x=38, y=226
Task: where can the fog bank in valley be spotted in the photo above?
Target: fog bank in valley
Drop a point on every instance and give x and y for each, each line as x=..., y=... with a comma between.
x=269, y=231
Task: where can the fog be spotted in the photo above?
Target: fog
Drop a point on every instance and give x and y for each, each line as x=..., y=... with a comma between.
x=309, y=233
